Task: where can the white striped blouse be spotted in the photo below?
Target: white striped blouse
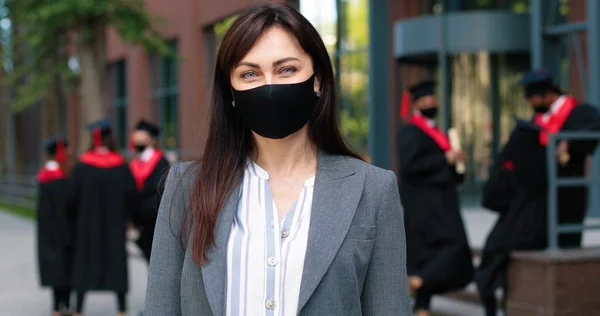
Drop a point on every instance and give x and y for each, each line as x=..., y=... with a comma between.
x=265, y=257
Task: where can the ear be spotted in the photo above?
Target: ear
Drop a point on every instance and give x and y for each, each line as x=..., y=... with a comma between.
x=317, y=84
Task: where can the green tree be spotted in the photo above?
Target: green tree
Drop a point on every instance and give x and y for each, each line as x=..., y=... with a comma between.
x=55, y=30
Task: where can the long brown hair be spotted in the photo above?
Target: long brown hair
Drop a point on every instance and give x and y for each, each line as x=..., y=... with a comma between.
x=229, y=140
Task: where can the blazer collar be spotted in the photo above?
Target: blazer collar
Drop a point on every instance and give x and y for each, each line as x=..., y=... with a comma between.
x=338, y=189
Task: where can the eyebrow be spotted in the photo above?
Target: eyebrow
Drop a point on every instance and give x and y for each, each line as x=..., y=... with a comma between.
x=275, y=63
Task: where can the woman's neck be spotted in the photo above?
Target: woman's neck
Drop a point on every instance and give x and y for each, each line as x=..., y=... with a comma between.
x=283, y=157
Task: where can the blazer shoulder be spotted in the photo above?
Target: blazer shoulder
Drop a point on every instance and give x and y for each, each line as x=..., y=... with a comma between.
x=182, y=176
x=372, y=173
x=186, y=170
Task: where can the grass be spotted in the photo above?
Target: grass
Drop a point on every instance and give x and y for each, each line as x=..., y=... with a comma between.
x=17, y=210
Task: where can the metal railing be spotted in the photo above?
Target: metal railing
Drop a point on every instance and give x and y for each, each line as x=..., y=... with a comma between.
x=18, y=190
x=555, y=183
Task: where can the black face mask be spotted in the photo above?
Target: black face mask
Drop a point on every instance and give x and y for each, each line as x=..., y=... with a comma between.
x=139, y=148
x=429, y=113
x=541, y=109
x=277, y=110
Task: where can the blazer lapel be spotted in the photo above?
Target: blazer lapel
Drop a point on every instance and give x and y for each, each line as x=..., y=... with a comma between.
x=338, y=190
x=214, y=272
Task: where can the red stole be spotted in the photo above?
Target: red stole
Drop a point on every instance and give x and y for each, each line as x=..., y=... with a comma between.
x=435, y=133
x=46, y=175
x=102, y=159
x=555, y=120
x=142, y=169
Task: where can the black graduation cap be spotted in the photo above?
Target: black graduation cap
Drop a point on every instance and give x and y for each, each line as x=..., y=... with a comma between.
x=100, y=129
x=537, y=76
x=104, y=126
x=55, y=146
x=537, y=82
x=52, y=144
x=422, y=89
x=152, y=129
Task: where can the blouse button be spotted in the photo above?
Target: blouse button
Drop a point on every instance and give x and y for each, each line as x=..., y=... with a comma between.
x=272, y=261
x=270, y=304
x=285, y=233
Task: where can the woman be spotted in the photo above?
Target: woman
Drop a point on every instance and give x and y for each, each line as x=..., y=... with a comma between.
x=279, y=217
x=53, y=226
x=103, y=186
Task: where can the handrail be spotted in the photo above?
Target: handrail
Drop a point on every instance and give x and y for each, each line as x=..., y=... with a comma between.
x=554, y=183
x=18, y=190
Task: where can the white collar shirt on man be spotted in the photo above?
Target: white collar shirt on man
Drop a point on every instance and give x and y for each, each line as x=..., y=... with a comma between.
x=554, y=107
x=52, y=165
x=147, y=154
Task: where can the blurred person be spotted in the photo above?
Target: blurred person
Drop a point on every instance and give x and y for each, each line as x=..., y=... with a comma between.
x=54, y=230
x=438, y=253
x=278, y=216
x=148, y=167
x=103, y=188
x=522, y=224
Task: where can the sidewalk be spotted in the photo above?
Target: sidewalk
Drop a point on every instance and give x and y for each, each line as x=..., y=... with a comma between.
x=21, y=295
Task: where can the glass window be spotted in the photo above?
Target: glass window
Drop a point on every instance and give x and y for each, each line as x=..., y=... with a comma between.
x=165, y=96
x=220, y=29
x=472, y=111
x=117, y=73
x=344, y=27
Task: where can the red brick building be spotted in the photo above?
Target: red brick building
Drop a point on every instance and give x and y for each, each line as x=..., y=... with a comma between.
x=175, y=93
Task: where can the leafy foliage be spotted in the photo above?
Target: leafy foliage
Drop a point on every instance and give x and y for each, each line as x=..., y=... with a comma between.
x=47, y=30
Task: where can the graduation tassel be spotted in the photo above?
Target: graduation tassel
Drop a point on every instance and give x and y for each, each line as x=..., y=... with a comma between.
x=97, y=138
x=404, y=106
x=61, y=156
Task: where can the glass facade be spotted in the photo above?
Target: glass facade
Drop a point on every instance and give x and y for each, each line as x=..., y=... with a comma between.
x=165, y=96
x=437, y=6
x=117, y=75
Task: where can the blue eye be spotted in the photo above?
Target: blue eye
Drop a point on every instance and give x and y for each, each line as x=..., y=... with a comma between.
x=248, y=75
x=288, y=70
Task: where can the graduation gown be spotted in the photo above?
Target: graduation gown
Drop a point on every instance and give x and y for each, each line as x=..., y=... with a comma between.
x=523, y=226
x=54, y=239
x=437, y=245
x=149, y=177
x=103, y=186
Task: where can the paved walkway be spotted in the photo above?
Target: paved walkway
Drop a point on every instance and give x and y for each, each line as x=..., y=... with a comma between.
x=21, y=295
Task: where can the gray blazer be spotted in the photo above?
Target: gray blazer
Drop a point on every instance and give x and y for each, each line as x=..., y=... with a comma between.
x=355, y=261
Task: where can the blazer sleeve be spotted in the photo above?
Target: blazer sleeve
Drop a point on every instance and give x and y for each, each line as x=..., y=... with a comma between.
x=164, y=276
x=385, y=290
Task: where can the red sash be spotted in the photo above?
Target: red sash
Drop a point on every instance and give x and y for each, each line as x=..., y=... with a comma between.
x=102, y=159
x=142, y=169
x=556, y=120
x=47, y=175
x=435, y=133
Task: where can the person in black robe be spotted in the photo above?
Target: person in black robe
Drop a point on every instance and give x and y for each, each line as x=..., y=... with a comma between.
x=54, y=239
x=438, y=255
x=523, y=224
x=148, y=167
x=102, y=193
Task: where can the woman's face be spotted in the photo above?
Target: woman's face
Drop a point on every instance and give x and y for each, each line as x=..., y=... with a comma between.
x=275, y=58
